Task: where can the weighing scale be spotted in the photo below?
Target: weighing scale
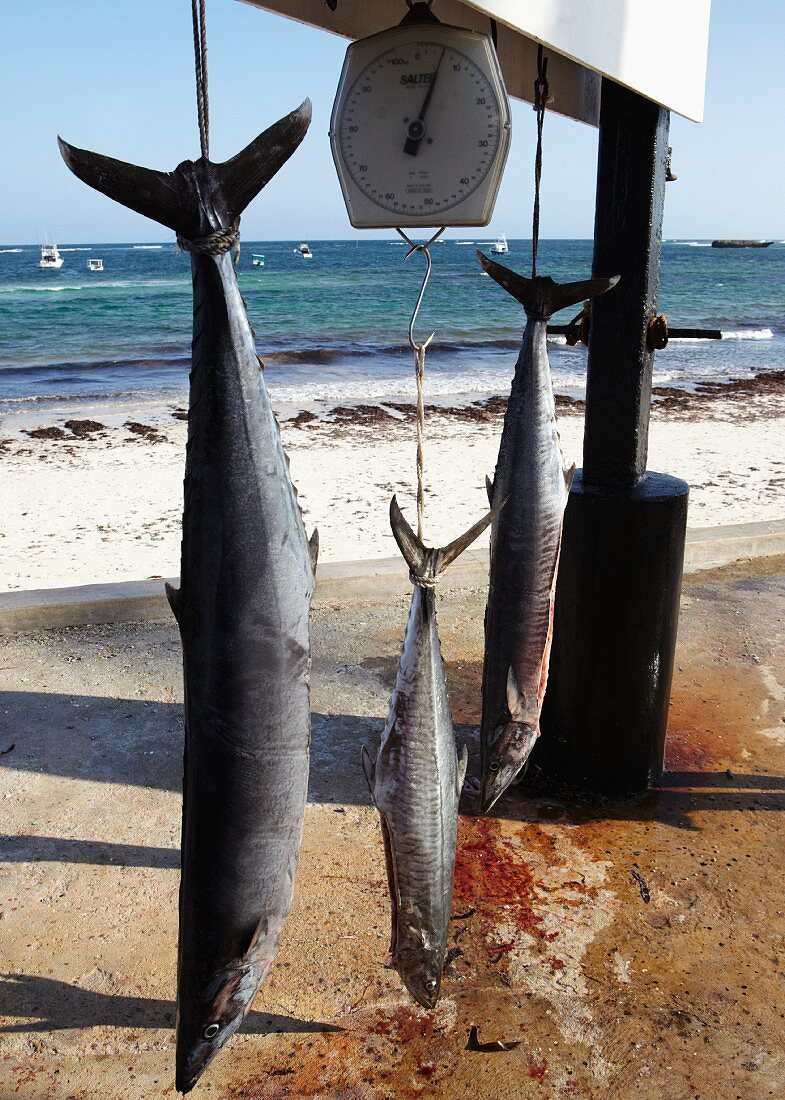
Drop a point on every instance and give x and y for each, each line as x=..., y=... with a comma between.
x=420, y=127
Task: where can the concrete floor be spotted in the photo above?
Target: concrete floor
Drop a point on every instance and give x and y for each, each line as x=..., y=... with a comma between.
x=553, y=945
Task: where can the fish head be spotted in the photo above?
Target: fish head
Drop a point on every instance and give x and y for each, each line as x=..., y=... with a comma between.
x=206, y=1020
x=420, y=966
x=505, y=758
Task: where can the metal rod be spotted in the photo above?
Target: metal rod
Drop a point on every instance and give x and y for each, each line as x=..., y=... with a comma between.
x=673, y=333
x=419, y=368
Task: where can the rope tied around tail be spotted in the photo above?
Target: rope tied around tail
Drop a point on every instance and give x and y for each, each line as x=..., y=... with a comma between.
x=423, y=581
x=214, y=244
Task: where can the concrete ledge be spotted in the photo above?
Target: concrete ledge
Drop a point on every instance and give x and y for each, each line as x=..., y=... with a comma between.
x=340, y=582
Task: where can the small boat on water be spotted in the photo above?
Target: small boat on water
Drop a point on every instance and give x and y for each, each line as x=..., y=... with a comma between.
x=95, y=265
x=305, y=251
x=741, y=244
x=257, y=259
x=500, y=246
x=50, y=257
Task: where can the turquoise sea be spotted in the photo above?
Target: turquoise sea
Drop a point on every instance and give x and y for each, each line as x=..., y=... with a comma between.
x=333, y=328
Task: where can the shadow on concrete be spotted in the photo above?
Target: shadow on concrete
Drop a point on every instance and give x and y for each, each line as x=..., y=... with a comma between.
x=52, y=849
x=679, y=795
x=140, y=743
x=136, y=742
x=49, y=1005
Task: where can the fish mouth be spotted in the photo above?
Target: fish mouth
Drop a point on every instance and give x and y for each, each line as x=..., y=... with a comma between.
x=196, y=1049
x=495, y=784
x=424, y=997
x=418, y=986
x=185, y=1077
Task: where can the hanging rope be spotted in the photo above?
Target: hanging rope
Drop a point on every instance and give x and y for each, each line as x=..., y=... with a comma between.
x=419, y=369
x=199, y=18
x=540, y=103
x=222, y=240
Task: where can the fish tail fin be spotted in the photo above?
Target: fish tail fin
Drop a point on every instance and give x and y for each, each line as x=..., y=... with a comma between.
x=173, y=198
x=154, y=194
x=244, y=176
x=542, y=297
x=426, y=561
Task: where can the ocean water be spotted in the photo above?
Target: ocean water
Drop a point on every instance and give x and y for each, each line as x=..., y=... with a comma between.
x=334, y=328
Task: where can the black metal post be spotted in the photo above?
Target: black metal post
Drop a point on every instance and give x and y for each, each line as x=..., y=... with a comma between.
x=606, y=707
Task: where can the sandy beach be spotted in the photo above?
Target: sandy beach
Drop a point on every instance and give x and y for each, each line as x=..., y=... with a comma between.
x=87, y=499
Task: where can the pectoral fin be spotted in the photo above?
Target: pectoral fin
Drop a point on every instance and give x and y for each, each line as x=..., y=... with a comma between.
x=516, y=703
x=392, y=883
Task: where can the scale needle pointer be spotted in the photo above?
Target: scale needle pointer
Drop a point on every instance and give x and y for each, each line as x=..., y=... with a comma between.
x=416, y=129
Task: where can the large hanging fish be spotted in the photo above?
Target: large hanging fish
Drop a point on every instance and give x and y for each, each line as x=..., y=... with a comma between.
x=525, y=540
x=417, y=777
x=247, y=578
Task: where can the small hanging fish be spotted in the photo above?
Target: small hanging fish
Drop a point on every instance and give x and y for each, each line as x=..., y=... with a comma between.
x=417, y=777
x=526, y=538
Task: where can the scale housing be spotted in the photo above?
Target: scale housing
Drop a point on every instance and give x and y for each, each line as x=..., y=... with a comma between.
x=476, y=209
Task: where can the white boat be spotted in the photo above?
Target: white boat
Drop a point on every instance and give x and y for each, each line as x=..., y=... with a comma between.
x=500, y=246
x=257, y=259
x=95, y=265
x=50, y=257
x=305, y=251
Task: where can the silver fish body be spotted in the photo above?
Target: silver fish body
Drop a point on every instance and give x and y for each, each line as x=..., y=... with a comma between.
x=525, y=540
x=416, y=779
x=247, y=578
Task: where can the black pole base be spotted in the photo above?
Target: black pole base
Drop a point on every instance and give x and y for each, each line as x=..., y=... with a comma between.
x=617, y=609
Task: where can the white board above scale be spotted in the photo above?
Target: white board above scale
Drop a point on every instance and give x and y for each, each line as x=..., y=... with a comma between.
x=658, y=50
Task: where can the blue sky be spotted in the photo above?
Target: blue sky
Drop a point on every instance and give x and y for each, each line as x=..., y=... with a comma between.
x=118, y=78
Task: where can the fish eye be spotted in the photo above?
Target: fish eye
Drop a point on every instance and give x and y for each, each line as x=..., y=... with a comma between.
x=430, y=984
x=211, y=1031
x=494, y=765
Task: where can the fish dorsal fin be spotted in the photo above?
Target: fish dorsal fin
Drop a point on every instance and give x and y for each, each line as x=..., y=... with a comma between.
x=463, y=761
x=489, y=489
x=516, y=703
x=173, y=595
x=174, y=199
x=369, y=769
x=427, y=561
x=313, y=549
x=542, y=297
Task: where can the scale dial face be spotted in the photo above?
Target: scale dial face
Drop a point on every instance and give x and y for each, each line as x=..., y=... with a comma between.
x=421, y=128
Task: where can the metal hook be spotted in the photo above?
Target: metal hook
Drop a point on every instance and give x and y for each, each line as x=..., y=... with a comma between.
x=425, y=249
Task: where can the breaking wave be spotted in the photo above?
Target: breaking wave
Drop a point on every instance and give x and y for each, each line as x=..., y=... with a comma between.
x=748, y=334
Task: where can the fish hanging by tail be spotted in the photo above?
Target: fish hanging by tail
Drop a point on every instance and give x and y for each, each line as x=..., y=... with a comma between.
x=526, y=538
x=247, y=577
x=416, y=778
